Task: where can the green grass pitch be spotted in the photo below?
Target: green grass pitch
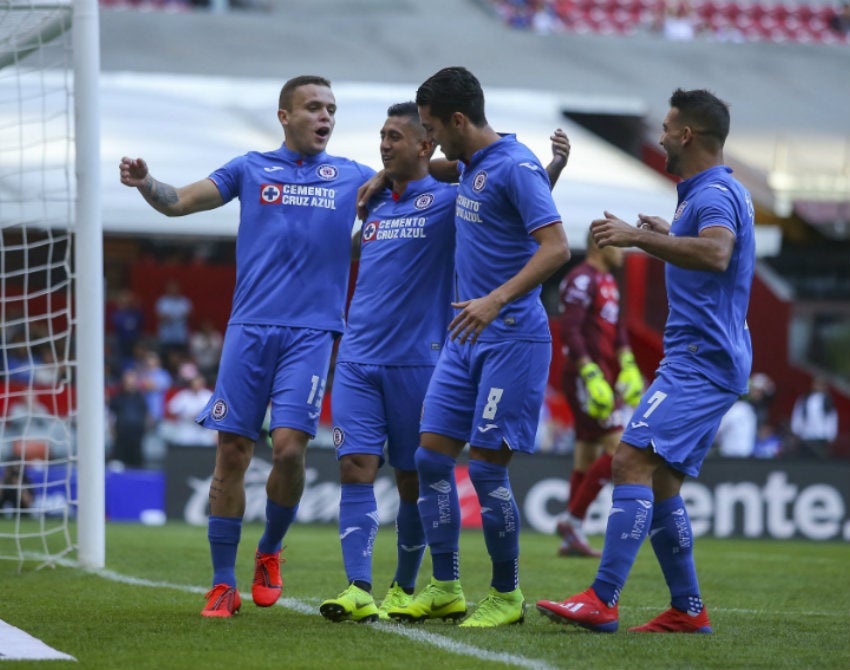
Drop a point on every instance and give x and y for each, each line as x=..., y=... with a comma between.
x=773, y=604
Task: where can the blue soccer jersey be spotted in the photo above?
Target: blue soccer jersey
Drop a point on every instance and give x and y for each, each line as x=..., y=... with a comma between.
x=706, y=325
x=503, y=197
x=401, y=307
x=293, y=247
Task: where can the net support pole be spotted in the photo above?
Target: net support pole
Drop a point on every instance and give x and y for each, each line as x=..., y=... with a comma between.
x=88, y=256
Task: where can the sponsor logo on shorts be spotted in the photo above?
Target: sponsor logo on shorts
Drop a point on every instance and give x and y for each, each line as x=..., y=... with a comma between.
x=339, y=437
x=219, y=410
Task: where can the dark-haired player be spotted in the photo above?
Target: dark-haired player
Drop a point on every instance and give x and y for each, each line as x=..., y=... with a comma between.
x=397, y=325
x=709, y=251
x=488, y=385
x=293, y=253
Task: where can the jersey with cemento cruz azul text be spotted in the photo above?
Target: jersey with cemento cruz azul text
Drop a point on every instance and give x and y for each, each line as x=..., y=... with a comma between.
x=401, y=308
x=503, y=197
x=293, y=247
x=707, y=321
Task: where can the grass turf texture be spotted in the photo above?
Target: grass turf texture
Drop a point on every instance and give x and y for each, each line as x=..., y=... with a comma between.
x=773, y=604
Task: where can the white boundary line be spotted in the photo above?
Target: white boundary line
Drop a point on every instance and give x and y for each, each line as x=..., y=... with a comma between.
x=412, y=633
x=18, y=645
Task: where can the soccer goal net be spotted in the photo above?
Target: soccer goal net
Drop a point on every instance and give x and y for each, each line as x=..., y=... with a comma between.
x=39, y=334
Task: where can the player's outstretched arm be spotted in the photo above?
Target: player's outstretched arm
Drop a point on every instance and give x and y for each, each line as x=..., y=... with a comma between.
x=196, y=197
x=711, y=250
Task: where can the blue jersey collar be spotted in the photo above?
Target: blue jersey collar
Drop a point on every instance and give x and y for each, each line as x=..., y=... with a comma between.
x=711, y=174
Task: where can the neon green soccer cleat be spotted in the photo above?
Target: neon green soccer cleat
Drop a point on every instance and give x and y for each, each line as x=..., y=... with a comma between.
x=438, y=600
x=395, y=598
x=353, y=604
x=497, y=609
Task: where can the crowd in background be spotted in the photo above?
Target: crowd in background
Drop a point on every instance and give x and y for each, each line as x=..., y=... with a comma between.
x=160, y=376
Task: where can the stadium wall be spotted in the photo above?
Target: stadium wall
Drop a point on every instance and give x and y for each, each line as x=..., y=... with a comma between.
x=731, y=498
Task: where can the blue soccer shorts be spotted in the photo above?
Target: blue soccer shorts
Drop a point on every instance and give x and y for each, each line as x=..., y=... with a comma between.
x=678, y=417
x=488, y=393
x=284, y=366
x=374, y=405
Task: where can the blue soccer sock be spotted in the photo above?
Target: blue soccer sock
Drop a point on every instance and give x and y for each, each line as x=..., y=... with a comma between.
x=628, y=525
x=358, y=526
x=500, y=518
x=410, y=540
x=439, y=509
x=673, y=541
x=223, y=534
x=278, y=521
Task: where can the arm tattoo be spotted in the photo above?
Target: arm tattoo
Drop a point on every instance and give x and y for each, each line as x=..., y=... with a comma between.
x=159, y=194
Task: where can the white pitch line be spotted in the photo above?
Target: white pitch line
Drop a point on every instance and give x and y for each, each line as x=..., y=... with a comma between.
x=18, y=645
x=412, y=633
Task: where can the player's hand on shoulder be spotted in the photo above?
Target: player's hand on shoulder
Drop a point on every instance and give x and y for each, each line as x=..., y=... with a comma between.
x=376, y=183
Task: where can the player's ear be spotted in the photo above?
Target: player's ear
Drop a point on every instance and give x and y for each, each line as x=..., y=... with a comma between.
x=283, y=117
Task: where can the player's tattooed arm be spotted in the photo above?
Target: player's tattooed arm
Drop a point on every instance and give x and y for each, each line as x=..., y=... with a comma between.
x=196, y=197
x=161, y=196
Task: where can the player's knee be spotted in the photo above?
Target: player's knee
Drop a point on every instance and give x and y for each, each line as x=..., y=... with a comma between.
x=358, y=469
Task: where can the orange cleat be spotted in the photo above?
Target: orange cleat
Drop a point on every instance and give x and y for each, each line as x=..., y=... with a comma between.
x=268, y=584
x=222, y=601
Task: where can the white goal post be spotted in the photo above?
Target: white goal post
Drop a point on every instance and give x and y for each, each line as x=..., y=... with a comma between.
x=52, y=425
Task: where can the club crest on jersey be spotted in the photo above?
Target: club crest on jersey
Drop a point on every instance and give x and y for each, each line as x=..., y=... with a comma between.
x=370, y=231
x=424, y=201
x=219, y=410
x=679, y=210
x=338, y=437
x=270, y=194
x=479, y=181
x=327, y=172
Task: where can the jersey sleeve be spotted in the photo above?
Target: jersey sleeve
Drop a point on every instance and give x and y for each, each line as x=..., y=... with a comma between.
x=228, y=177
x=532, y=196
x=717, y=208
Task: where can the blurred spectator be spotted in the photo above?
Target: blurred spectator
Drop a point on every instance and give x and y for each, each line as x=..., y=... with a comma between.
x=814, y=420
x=840, y=21
x=127, y=320
x=679, y=23
x=769, y=443
x=761, y=393
x=130, y=419
x=154, y=382
x=172, y=313
x=544, y=18
x=14, y=488
x=47, y=370
x=736, y=436
x=205, y=346
x=179, y=427
x=35, y=433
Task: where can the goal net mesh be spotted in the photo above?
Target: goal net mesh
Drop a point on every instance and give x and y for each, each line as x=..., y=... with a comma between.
x=38, y=449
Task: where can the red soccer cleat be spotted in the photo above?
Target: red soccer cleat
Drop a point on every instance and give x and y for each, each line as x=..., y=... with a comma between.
x=574, y=540
x=576, y=548
x=676, y=621
x=584, y=609
x=222, y=601
x=268, y=584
